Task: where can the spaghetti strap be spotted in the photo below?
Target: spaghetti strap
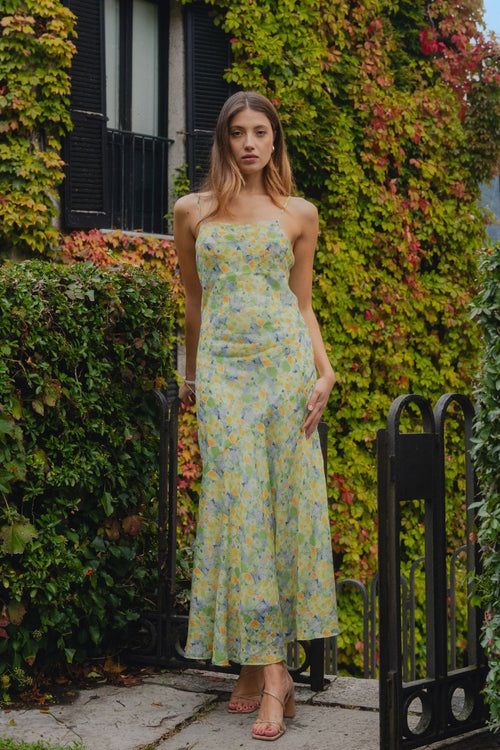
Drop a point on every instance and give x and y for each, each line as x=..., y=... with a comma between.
x=285, y=204
x=198, y=202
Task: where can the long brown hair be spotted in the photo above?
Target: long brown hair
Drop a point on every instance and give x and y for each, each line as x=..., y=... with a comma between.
x=224, y=179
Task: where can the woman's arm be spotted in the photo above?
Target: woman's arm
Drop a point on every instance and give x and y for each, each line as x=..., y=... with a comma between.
x=185, y=213
x=301, y=284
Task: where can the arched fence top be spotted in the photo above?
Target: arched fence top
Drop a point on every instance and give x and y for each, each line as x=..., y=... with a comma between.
x=441, y=412
x=412, y=467
x=398, y=407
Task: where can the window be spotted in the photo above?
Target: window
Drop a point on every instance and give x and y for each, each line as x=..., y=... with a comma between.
x=132, y=38
x=117, y=154
x=134, y=33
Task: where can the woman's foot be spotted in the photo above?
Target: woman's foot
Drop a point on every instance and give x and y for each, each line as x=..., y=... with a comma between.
x=245, y=697
x=277, y=702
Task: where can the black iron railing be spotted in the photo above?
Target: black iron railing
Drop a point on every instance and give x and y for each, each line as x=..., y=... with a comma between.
x=138, y=181
x=447, y=700
x=366, y=596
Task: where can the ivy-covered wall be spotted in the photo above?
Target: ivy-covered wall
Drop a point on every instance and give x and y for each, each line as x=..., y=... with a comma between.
x=392, y=115
x=383, y=138
x=35, y=54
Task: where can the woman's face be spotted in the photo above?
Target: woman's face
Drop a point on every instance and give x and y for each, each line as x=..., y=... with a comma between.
x=251, y=139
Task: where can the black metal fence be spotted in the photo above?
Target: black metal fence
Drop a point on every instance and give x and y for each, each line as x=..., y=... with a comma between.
x=368, y=600
x=447, y=700
x=138, y=172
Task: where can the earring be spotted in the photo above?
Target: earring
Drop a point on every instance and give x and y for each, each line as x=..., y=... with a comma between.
x=273, y=148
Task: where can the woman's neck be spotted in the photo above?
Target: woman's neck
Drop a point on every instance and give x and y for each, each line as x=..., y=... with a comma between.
x=253, y=185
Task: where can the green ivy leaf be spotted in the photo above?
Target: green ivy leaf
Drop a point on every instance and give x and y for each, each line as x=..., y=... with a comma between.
x=37, y=406
x=6, y=426
x=107, y=503
x=16, y=612
x=5, y=480
x=16, y=536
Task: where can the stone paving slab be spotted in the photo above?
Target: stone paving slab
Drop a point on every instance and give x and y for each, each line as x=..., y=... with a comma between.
x=219, y=683
x=313, y=728
x=349, y=692
x=187, y=710
x=107, y=718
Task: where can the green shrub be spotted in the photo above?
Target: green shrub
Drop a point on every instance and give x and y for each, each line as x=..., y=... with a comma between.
x=81, y=346
x=487, y=460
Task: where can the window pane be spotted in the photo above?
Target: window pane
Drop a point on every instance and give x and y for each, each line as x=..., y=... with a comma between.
x=112, y=36
x=145, y=67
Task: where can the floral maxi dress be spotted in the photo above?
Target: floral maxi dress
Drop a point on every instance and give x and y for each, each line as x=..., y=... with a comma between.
x=263, y=573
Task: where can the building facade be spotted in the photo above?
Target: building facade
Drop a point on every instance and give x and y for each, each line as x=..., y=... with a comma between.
x=147, y=83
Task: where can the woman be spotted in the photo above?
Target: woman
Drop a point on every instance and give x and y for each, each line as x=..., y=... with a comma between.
x=263, y=574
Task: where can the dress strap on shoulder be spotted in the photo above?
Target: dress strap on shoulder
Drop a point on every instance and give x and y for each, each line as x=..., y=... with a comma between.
x=285, y=204
x=198, y=203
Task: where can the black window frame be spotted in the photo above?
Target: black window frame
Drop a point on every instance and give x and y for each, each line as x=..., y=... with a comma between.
x=87, y=188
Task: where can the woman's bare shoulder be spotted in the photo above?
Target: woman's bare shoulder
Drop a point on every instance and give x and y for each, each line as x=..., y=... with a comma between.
x=194, y=205
x=303, y=210
x=186, y=204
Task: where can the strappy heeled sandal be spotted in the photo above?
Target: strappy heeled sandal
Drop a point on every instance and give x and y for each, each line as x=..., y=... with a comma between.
x=288, y=706
x=250, y=701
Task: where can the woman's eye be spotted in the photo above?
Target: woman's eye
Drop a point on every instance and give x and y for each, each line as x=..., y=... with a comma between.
x=236, y=133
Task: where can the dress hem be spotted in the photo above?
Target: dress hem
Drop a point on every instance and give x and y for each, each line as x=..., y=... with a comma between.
x=208, y=656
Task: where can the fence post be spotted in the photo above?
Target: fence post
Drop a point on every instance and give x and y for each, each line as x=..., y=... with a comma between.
x=411, y=466
x=389, y=593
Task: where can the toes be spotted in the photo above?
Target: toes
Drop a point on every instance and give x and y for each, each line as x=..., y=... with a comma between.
x=265, y=730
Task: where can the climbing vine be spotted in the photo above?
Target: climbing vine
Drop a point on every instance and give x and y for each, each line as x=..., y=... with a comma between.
x=487, y=454
x=36, y=51
x=392, y=116
x=392, y=112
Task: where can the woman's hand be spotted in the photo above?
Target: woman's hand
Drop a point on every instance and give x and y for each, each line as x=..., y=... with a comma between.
x=187, y=394
x=316, y=404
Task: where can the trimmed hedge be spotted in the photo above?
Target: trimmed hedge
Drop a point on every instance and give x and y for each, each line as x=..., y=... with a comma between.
x=80, y=348
x=487, y=460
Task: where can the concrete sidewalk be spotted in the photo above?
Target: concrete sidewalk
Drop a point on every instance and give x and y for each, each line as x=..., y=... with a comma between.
x=187, y=711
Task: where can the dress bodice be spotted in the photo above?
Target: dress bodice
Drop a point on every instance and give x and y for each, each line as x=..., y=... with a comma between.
x=244, y=271
x=226, y=250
